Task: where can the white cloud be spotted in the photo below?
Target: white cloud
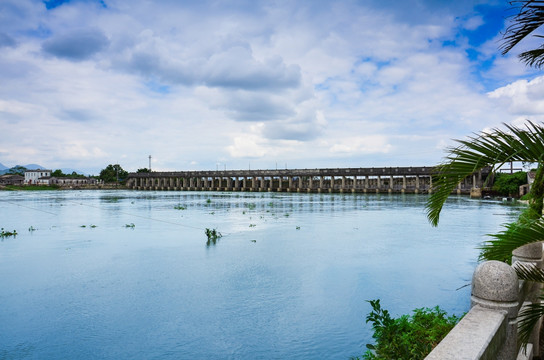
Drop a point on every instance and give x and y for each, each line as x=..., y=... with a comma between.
x=194, y=83
x=522, y=97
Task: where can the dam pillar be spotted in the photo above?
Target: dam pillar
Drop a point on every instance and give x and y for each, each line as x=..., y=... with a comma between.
x=343, y=184
x=403, y=184
x=262, y=184
x=311, y=184
x=378, y=184
x=229, y=184
x=417, y=185
x=475, y=191
x=320, y=189
x=290, y=183
x=390, y=184
x=299, y=188
x=331, y=188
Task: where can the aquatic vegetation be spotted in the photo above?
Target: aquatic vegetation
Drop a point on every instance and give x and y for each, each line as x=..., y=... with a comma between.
x=253, y=241
x=5, y=233
x=83, y=226
x=131, y=225
x=208, y=201
x=92, y=226
x=252, y=225
x=298, y=228
x=180, y=207
x=213, y=235
x=251, y=206
x=32, y=228
x=286, y=214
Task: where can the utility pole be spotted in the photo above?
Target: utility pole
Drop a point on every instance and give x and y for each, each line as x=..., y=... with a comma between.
x=149, y=163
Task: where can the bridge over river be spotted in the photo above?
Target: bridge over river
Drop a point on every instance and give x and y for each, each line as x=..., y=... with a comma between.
x=342, y=180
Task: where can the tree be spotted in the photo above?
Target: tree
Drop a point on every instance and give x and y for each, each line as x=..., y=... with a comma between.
x=508, y=184
x=143, y=170
x=496, y=148
x=17, y=170
x=113, y=173
x=57, y=173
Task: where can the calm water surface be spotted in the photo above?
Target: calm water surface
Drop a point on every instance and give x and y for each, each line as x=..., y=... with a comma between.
x=288, y=280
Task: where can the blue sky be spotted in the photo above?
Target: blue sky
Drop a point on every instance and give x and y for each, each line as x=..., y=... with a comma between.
x=233, y=84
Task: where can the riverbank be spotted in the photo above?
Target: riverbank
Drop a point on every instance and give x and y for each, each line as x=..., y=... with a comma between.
x=58, y=187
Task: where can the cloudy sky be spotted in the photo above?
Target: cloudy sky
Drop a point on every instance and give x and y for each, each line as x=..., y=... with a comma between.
x=261, y=84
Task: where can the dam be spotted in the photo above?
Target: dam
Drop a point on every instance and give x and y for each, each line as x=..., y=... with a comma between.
x=332, y=180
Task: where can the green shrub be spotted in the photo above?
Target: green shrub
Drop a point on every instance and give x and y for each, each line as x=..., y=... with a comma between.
x=408, y=337
x=508, y=184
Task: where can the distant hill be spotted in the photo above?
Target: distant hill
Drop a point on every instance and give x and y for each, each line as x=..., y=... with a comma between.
x=3, y=167
x=68, y=171
x=35, y=166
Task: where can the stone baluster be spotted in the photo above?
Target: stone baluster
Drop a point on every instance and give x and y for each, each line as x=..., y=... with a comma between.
x=495, y=286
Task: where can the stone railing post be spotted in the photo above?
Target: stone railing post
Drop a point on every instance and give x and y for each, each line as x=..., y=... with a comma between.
x=495, y=286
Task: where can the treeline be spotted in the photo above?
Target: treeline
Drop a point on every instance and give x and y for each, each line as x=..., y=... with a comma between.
x=508, y=184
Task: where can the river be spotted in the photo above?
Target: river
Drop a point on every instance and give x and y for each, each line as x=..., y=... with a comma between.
x=128, y=274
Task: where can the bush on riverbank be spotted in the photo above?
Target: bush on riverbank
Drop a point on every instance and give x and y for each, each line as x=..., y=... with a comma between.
x=408, y=337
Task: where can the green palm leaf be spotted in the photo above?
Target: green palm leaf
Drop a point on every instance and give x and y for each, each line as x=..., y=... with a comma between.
x=491, y=149
x=529, y=272
x=515, y=236
x=527, y=320
x=529, y=19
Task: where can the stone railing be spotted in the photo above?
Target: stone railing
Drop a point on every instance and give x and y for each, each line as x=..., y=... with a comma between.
x=490, y=329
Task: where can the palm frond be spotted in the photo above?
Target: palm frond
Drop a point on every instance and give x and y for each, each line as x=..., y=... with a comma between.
x=515, y=236
x=529, y=18
x=527, y=320
x=492, y=150
x=529, y=272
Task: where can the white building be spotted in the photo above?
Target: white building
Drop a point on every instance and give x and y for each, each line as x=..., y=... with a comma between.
x=33, y=176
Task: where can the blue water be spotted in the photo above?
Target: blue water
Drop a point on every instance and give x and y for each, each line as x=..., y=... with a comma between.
x=288, y=279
